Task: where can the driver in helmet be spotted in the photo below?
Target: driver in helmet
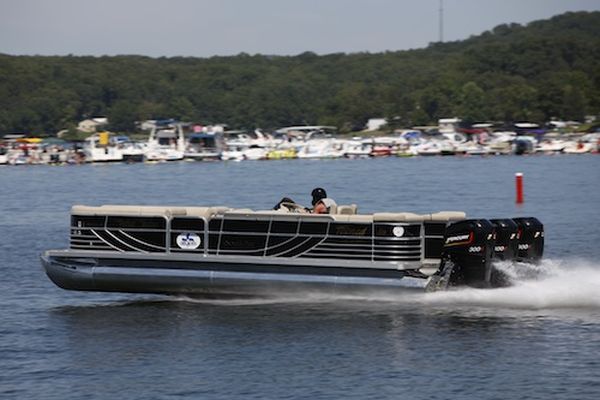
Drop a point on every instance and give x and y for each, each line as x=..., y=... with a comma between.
x=321, y=203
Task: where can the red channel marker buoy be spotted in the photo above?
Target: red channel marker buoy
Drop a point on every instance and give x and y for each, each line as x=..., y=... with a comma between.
x=519, y=183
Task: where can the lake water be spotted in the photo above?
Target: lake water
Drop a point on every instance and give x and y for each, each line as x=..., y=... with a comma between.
x=539, y=339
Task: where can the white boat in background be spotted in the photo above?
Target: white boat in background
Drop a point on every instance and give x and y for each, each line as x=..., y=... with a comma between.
x=549, y=146
x=320, y=148
x=204, y=146
x=358, y=148
x=17, y=158
x=473, y=149
x=241, y=145
x=255, y=153
x=165, y=144
x=593, y=139
x=384, y=146
x=243, y=152
x=429, y=148
x=579, y=147
x=3, y=156
x=501, y=143
x=303, y=133
x=98, y=149
x=132, y=152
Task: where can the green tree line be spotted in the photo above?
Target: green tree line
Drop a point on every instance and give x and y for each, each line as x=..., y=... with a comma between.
x=545, y=69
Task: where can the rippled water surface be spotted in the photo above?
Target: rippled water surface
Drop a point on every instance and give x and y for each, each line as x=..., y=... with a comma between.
x=539, y=339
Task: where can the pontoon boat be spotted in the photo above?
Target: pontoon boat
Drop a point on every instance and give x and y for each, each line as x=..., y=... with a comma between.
x=219, y=250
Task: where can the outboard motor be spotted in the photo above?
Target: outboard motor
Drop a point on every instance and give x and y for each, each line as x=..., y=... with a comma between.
x=466, y=256
x=531, y=239
x=507, y=240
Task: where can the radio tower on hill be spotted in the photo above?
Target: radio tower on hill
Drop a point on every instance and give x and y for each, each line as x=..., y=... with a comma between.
x=441, y=21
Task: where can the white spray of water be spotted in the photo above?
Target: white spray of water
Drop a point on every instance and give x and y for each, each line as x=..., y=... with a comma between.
x=551, y=284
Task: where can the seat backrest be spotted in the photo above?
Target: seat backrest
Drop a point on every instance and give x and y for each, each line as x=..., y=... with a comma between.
x=346, y=209
x=333, y=209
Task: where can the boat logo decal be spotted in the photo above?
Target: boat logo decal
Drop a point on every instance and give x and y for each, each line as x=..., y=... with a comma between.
x=188, y=241
x=459, y=239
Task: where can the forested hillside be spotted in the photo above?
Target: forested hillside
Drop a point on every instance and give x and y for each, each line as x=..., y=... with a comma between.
x=548, y=68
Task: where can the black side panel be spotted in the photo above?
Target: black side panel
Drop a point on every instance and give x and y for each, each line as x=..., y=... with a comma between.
x=84, y=221
x=358, y=230
x=235, y=225
x=136, y=222
x=187, y=224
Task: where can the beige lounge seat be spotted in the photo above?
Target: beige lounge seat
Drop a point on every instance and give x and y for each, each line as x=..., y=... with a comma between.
x=446, y=216
x=350, y=209
x=202, y=212
x=356, y=218
x=150, y=211
x=398, y=217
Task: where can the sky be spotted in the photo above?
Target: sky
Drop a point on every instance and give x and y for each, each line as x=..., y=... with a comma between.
x=203, y=28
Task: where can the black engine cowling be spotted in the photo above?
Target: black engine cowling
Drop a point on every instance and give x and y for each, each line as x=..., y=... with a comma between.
x=467, y=255
x=507, y=239
x=531, y=239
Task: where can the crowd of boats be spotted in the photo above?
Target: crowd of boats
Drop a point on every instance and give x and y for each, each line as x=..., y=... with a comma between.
x=173, y=143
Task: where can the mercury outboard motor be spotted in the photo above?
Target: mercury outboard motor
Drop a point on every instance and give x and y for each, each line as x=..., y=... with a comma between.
x=531, y=239
x=507, y=239
x=466, y=256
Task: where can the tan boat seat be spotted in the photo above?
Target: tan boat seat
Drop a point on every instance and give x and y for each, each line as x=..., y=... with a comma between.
x=356, y=218
x=398, y=217
x=150, y=211
x=446, y=216
x=350, y=209
x=202, y=212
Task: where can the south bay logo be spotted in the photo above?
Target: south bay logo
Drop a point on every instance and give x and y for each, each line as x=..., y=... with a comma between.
x=188, y=241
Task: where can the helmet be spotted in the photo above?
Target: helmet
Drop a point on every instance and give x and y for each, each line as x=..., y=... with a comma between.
x=318, y=194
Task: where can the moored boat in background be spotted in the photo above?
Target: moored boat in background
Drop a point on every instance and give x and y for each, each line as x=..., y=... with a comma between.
x=165, y=144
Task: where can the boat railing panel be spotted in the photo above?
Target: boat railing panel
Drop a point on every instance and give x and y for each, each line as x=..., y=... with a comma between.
x=186, y=226
x=293, y=235
x=391, y=237
x=433, y=235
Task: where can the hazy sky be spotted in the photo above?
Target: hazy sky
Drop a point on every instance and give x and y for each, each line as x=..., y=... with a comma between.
x=223, y=27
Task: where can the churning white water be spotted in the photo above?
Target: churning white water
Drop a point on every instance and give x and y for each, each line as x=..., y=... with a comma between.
x=550, y=284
